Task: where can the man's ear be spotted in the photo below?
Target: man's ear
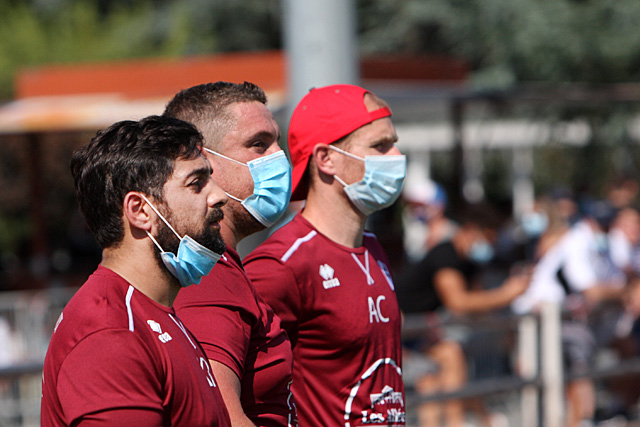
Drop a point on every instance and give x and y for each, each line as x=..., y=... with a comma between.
x=321, y=156
x=137, y=211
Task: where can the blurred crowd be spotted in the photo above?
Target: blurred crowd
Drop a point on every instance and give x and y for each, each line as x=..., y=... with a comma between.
x=577, y=250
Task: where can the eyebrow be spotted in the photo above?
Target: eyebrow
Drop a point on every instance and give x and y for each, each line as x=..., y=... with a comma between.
x=203, y=171
x=263, y=134
x=386, y=138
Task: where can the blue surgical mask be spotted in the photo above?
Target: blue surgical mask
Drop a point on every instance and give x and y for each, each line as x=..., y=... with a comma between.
x=481, y=252
x=381, y=184
x=271, y=186
x=534, y=223
x=193, y=260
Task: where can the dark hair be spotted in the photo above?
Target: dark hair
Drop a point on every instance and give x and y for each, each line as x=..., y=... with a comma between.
x=202, y=103
x=128, y=156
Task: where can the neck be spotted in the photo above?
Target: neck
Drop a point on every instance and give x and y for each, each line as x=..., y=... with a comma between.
x=237, y=224
x=229, y=234
x=335, y=217
x=142, y=272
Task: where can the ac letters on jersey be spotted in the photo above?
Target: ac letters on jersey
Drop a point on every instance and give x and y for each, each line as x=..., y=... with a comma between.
x=375, y=310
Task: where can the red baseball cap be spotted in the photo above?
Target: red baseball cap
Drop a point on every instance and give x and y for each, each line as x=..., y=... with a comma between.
x=325, y=115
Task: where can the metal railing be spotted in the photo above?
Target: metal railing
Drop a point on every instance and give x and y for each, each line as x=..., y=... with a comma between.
x=26, y=321
x=535, y=382
x=524, y=376
x=538, y=376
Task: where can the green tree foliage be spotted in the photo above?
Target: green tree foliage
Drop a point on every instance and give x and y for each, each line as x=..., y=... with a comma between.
x=508, y=41
x=79, y=31
x=504, y=41
x=35, y=32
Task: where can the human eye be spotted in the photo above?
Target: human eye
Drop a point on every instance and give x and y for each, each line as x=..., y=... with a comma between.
x=381, y=147
x=259, y=145
x=197, y=184
x=384, y=146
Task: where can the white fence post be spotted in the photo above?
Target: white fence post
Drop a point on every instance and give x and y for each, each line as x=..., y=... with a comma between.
x=528, y=369
x=552, y=375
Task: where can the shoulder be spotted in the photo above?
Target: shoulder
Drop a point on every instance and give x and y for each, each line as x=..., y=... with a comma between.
x=370, y=239
x=100, y=303
x=287, y=242
x=227, y=284
x=371, y=243
x=91, y=377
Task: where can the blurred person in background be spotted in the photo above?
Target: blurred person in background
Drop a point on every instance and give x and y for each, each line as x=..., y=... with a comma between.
x=625, y=392
x=565, y=205
x=624, y=240
x=249, y=352
x=537, y=229
x=577, y=272
x=622, y=191
x=444, y=283
x=326, y=277
x=119, y=355
x=562, y=213
x=424, y=221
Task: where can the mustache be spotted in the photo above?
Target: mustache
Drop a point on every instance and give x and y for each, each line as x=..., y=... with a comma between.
x=216, y=216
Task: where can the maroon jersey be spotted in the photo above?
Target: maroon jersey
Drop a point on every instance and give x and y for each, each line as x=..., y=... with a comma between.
x=116, y=357
x=238, y=329
x=339, y=307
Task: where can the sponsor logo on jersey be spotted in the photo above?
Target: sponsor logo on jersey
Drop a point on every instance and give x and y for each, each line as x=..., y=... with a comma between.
x=326, y=272
x=155, y=327
x=387, y=274
x=377, y=399
x=387, y=408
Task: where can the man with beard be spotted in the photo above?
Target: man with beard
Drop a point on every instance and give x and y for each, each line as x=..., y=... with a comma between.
x=119, y=355
x=250, y=354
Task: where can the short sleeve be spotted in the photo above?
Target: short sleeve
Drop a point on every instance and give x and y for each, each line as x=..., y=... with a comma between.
x=110, y=370
x=223, y=332
x=277, y=285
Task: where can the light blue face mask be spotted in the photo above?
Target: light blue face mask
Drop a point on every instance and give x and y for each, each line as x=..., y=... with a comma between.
x=481, y=252
x=381, y=184
x=534, y=223
x=271, y=186
x=193, y=260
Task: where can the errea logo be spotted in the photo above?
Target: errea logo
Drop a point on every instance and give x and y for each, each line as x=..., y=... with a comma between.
x=326, y=272
x=155, y=327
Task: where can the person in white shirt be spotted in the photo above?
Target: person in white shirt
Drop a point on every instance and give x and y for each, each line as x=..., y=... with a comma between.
x=578, y=273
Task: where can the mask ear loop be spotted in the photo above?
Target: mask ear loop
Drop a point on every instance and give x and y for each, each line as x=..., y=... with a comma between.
x=154, y=241
x=232, y=160
x=164, y=220
x=225, y=157
x=337, y=178
x=346, y=153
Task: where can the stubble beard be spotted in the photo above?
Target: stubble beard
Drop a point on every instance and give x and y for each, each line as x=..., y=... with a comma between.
x=209, y=237
x=244, y=222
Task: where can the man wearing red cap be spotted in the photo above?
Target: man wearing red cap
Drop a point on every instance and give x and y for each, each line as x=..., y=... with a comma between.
x=325, y=276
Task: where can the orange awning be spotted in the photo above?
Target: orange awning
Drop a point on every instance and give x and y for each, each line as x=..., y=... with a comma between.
x=93, y=96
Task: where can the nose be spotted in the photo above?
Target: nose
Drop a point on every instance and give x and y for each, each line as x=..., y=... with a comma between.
x=274, y=148
x=394, y=151
x=217, y=197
